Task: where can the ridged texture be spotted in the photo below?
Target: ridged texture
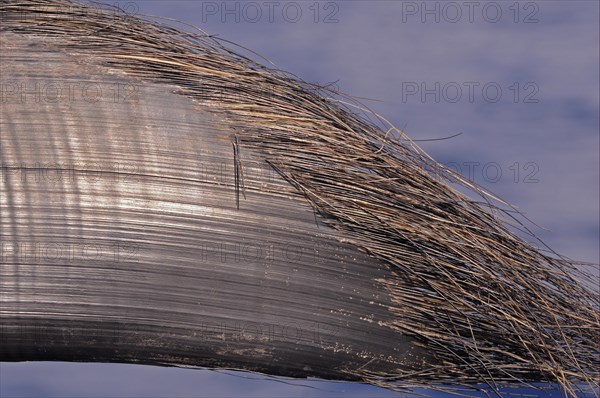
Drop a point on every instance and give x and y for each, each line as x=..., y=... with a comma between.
x=122, y=240
x=488, y=306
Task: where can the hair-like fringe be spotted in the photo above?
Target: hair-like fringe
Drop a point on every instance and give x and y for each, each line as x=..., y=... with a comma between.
x=492, y=308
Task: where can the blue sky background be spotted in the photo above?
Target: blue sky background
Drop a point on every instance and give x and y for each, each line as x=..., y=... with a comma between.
x=549, y=132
